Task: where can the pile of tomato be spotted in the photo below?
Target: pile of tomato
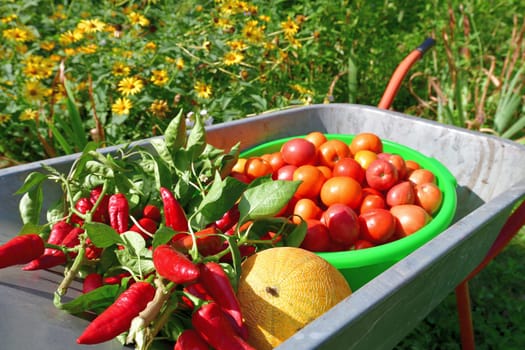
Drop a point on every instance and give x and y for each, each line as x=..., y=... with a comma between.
x=351, y=195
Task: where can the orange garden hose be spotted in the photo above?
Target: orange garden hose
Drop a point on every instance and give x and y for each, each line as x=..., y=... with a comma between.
x=401, y=71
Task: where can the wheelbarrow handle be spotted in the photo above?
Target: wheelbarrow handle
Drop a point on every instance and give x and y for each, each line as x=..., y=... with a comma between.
x=401, y=71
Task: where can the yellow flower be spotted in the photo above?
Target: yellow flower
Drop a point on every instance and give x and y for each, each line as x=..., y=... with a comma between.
x=237, y=45
x=233, y=57
x=35, y=91
x=28, y=114
x=70, y=37
x=8, y=19
x=130, y=86
x=121, y=106
x=137, y=18
x=4, y=118
x=202, y=89
x=18, y=34
x=120, y=69
x=264, y=18
x=179, y=63
x=224, y=23
x=150, y=46
x=253, y=32
x=302, y=90
x=159, y=77
x=289, y=27
x=70, y=51
x=47, y=45
x=159, y=108
x=88, y=49
x=91, y=25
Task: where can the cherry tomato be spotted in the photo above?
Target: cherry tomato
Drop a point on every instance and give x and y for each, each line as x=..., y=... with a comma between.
x=331, y=151
x=409, y=219
x=286, y=172
x=306, y=208
x=342, y=223
x=421, y=176
x=257, y=167
x=298, y=151
x=366, y=141
x=341, y=189
x=312, y=180
x=401, y=193
x=381, y=175
x=377, y=225
x=429, y=197
x=365, y=158
x=317, y=238
x=372, y=201
x=349, y=167
x=316, y=137
x=276, y=160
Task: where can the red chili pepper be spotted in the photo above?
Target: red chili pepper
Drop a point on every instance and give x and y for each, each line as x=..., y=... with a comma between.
x=92, y=282
x=117, y=318
x=174, y=265
x=118, y=209
x=147, y=224
x=208, y=242
x=83, y=205
x=197, y=290
x=101, y=213
x=189, y=339
x=21, y=250
x=229, y=219
x=92, y=251
x=218, y=285
x=72, y=239
x=245, y=250
x=213, y=326
x=116, y=279
x=151, y=211
x=173, y=212
x=51, y=257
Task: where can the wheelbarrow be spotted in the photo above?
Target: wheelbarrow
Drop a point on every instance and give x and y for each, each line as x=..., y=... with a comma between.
x=491, y=185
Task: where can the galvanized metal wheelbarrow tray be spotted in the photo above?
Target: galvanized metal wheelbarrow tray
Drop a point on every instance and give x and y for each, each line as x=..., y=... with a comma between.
x=490, y=173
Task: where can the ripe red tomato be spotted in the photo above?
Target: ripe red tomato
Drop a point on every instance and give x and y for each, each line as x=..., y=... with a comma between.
x=363, y=244
x=341, y=189
x=381, y=175
x=366, y=141
x=317, y=238
x=276, y=160
x=372, y=201
x=377, y=225
x=298, y=151
x=306, y=208
x=342, y=223
x=401, y=193
x=316, y=137
x=409, y=219
x=429, y=197
x=257, y=167
x=421, y=176
x=331, y=151
x=312, y=180
x=349, y=167
x=397, y=161
x=286, y=172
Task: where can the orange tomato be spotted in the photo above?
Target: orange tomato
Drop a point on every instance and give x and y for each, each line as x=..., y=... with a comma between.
x=331, y=151
x=327, y=172
x=429, y=197
x=421, y=176
x=372, y=201
x=239, y=166
x=317, y=138
x=256, y=167
x=366, y=141
x=365, y=158
x=306, y=208
x=312, y=180
x=342, y=190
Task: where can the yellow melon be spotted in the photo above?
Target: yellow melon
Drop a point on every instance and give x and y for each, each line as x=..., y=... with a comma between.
x=283, y=289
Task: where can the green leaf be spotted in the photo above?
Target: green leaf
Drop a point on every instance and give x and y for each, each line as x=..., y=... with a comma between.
x=266, y=199
x=30, y=205
x=102, y=235
x=64, y=145
x=222, y=195
x=80, y=163
x=175, y=133
x=196, y=142
x=162, y=236
x=96, y=299
x=32, y=180
x=295, y=237
x=162, y=150
x=31, y=228
x=79, y=136
x=135, y=256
